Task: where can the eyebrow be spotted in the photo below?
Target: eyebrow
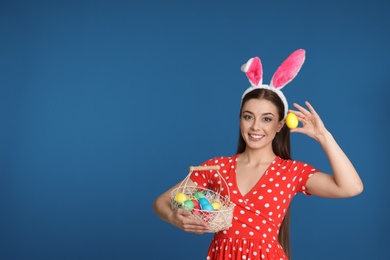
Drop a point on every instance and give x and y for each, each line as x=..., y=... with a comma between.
x=264, y=114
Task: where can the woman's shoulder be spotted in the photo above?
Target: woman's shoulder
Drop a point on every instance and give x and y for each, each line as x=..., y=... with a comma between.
x=291, y=163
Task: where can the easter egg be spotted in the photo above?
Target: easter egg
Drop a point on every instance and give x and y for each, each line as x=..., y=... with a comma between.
x=203, y=201
x=180, y=197
x=196, y=204
x=199, y=195
x=216, y=205
x=207, y=207
x=189, y=204
x=291, y=120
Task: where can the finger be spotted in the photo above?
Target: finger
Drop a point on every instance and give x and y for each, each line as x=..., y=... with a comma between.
x=312, y=110
x=198, y=229
x=196, y=223
x=303, y=110
x=184, y=212
x=296, y=130
x=192, y=227
x=301, y=117
x=297, y=113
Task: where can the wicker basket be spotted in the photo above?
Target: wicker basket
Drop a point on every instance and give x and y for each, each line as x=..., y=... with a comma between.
x=219, y=216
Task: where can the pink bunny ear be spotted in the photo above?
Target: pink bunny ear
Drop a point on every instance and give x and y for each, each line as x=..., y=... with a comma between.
x=288, y=69
x=254, y=71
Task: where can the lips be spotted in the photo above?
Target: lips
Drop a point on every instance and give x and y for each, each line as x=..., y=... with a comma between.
x=256, y=137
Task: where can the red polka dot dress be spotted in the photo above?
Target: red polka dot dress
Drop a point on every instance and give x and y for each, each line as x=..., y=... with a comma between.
x=259, y=214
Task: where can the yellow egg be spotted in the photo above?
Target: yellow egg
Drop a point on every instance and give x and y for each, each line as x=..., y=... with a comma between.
x=216, y=205
x=291, y=120
x=180, y=197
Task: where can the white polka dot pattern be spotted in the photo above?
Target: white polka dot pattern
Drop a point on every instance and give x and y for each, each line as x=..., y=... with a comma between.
x=258, y=215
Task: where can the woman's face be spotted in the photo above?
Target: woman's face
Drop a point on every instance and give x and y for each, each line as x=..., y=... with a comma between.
x=259, y=123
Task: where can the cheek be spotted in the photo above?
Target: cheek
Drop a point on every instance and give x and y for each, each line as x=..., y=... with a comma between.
x=243, y=124
x=273, y=127
x=242, y=128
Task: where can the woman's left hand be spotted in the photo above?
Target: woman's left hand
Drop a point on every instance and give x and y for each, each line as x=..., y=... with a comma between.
x=312, y=124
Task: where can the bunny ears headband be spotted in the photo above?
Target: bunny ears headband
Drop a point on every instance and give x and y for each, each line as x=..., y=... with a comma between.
x=283, y=75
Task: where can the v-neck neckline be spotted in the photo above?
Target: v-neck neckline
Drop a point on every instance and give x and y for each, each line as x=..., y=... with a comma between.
x=258, y=181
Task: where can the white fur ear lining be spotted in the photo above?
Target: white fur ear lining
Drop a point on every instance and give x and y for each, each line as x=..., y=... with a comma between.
x=254, y=71
x=245, y=67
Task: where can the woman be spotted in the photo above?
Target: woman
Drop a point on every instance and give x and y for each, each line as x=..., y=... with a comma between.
x=261, y=176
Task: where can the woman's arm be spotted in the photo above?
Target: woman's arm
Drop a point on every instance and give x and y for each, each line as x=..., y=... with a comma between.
x=180, y=217
x=345, y=181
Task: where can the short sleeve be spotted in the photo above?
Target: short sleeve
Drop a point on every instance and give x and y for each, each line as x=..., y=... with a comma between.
x=303, y=172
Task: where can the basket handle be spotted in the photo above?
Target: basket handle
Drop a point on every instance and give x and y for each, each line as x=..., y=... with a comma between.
x=204, y=168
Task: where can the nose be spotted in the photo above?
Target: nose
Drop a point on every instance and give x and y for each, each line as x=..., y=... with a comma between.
x=256, y=125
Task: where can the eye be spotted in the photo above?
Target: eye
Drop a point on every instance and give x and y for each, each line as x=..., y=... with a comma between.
x=267, y=119
x=247, y=117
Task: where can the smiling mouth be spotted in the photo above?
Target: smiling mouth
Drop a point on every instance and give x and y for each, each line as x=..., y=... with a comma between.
x=256, y=136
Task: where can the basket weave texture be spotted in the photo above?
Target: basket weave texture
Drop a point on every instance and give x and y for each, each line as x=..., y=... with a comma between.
x=219, y=217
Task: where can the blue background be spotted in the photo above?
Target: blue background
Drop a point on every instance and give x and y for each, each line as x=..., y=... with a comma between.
x=105, y=104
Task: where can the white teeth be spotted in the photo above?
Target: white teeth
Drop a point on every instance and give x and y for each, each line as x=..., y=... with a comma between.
x=256, y=136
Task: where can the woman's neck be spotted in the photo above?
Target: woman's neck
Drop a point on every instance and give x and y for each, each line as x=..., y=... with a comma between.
x=250, y=156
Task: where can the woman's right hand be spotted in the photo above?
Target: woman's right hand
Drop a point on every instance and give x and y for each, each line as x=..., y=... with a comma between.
x=180, y=218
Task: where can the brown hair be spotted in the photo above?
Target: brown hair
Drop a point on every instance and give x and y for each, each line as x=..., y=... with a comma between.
x=280, y=146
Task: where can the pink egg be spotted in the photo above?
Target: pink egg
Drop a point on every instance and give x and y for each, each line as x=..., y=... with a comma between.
x=196, y=204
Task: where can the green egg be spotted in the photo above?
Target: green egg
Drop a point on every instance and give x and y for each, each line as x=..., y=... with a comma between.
x=189, y=205
x=198, y=195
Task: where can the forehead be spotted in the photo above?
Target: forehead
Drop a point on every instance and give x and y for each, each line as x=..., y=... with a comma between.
x=260, y=106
